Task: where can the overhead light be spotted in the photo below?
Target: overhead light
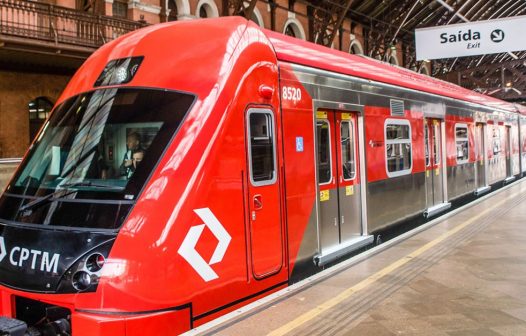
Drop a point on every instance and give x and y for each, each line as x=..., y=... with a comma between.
x=119, y=71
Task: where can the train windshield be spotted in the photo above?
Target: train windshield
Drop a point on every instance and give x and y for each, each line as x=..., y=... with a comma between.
x=93, y=157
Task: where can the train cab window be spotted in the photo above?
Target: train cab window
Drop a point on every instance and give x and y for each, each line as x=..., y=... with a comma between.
x=262, y=151
x=398, y=148
x=324, y=151
x=348, y=155
x=93, y=157
x=462, y=143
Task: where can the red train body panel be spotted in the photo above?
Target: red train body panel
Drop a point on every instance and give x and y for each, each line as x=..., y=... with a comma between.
x=236, y=202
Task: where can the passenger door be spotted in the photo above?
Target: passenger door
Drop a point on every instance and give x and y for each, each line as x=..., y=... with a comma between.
x=340, y=225
x=263, y=193
x=435, y=185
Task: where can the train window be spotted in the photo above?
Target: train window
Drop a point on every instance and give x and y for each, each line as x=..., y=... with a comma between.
x=398, y=148
x=426, y=144
x=262, y=152
x=462, y=142
x=324, y=151
x=348, y=155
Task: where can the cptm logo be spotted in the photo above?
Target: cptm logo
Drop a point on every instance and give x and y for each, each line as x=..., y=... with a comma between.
x=187, y=249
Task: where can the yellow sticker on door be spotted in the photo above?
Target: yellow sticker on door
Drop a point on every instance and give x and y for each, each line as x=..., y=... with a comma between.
x=349, y=190
x=324, y=195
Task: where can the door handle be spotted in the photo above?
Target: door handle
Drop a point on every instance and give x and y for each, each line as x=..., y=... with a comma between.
x=257, y=202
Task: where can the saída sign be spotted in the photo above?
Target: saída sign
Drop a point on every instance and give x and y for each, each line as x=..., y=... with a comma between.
x=469, y=39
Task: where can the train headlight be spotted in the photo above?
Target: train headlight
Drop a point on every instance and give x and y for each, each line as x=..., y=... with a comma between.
x=84, y=274
x=119, y=71
x=121, y=74
x=95, y=262
x=81, y=280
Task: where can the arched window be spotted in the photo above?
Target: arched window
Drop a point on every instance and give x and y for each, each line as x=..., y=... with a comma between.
x=172, y=10
x=203, y=13
x=356, y=48
x=206, y=9
x=423, y=69
x=293, y=28
x=290, y=31
x=392, y=59
x=39, y=110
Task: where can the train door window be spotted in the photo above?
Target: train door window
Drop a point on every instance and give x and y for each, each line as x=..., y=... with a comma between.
x=262, y=152
x=324, y=151
x=462, y=142
x=436, y=144
x=426, y=144
x=348, y=155
x=496, y=140
x=398, y=148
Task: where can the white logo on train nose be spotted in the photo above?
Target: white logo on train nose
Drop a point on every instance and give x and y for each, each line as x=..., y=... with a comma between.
x=3, y=251
x=187, y=249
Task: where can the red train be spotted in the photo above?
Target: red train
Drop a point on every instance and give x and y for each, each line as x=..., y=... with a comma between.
x=192, y=167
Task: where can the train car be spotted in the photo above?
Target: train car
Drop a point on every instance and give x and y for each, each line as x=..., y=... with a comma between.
x=190, y=168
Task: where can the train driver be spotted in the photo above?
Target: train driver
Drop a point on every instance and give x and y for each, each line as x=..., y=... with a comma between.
x=133, y=145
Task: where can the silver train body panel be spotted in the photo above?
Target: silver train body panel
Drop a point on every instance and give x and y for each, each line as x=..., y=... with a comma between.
x=395, y=199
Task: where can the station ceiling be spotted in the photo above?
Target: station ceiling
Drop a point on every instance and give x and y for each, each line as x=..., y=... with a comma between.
x=412, y=14
x=388, y=21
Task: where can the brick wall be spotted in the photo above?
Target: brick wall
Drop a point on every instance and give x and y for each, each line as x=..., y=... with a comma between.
x=16, y=91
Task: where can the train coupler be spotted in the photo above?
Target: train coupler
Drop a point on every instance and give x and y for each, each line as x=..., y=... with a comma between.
x=12, y=327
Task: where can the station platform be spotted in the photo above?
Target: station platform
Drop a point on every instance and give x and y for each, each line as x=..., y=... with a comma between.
x=461, y=274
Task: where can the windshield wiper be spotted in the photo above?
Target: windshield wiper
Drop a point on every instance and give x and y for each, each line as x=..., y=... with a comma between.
x=61, y=193
x=89, y=184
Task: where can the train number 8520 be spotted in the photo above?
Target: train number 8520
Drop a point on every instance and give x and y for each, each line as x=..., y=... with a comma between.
x=291, y=93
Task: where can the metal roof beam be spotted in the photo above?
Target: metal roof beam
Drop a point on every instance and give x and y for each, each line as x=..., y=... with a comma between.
x=502, y=7
x=451, y=9
x=460, y=10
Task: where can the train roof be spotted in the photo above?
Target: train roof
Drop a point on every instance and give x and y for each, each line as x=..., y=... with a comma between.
x=202, y=46
x=301, y=52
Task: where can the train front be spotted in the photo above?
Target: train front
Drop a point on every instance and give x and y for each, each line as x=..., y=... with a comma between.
x=88, y=224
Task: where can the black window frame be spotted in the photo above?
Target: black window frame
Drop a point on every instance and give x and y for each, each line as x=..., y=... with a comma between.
x=272, y=137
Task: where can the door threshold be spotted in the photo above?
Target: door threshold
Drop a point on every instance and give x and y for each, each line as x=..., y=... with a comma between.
x=436, y=209
x=346, y=247
x=482, y=190
x=509, y=179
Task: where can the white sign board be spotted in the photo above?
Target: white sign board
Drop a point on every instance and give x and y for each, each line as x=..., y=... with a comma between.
x=474, y=38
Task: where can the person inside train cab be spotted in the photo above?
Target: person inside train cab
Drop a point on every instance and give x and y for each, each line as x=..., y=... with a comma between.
x=133, y=145
x=137, y=158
